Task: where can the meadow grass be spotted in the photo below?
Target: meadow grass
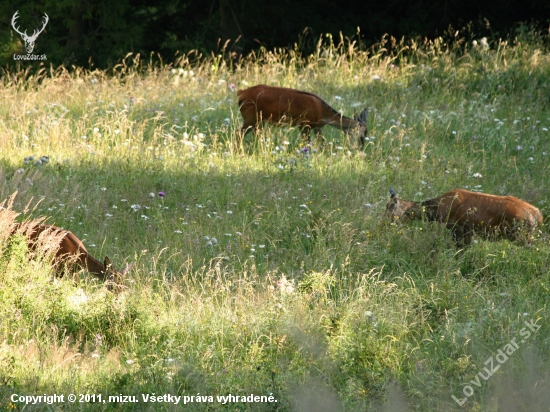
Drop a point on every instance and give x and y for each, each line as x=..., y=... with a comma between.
x=267, y=268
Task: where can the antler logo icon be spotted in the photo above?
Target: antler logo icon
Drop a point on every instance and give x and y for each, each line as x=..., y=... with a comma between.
x=29, y=40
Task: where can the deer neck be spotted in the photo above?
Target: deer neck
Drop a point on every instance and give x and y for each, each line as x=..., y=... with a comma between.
x=428, y=210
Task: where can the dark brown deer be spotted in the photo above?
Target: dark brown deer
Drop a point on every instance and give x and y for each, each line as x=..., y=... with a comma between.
x=466, y=213
x=280, y=105
x=69, y=250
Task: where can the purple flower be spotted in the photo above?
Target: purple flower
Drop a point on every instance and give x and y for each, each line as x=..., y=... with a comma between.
x=232, y=87
x=161, y=194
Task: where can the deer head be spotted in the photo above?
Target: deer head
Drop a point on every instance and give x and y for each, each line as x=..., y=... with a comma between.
x=113, y=277
x=29, y=40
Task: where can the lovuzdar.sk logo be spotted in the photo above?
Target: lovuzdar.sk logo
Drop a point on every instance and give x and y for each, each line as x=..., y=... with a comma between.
x=29, y=40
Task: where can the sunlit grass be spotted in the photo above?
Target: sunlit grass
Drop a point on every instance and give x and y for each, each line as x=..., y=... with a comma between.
x=267, y=267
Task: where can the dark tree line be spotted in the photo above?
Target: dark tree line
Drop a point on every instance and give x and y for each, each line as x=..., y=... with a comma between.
x=100, y=33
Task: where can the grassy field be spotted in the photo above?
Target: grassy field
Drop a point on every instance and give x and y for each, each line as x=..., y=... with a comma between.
x=267, y=268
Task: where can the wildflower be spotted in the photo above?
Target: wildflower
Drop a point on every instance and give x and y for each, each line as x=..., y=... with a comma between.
x=95, y=355
x=477, y=175
x=151, y=194
x=214, y=240
x=161, y=194
x=178, y=231
x=104, y=188
x=144, y=217
x=483, y=43
x=375, y=77
x=135, y=208
x=519, y=147
x=231, y=87
x=284, y=285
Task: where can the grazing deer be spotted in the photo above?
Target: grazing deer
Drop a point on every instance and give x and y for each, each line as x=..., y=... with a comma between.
x=29, y=40
x=466, y=212
x=71, y=249
x=261, y=103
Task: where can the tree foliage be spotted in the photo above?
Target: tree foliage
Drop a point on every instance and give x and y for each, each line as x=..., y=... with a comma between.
x=100, y=33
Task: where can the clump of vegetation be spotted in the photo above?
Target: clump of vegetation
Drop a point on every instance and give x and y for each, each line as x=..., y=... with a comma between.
x=267, y=268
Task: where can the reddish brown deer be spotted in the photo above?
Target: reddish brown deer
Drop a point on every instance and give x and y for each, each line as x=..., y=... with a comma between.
x=280, y=105
x=466, y=213
x=71, y=250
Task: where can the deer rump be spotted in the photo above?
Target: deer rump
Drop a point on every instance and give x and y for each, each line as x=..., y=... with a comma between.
x=466, y=213
x=69, y=251
x=280, y=105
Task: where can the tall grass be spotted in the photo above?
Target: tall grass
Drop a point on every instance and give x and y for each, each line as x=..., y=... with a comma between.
x=267, y=268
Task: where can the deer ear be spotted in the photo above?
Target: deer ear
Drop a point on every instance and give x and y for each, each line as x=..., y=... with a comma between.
x=393, y=194
x=361, y=117
x=107, y=263
x=127, y=268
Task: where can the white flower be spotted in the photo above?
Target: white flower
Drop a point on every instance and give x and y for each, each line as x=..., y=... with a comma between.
x=151, y=195
x=477, y=175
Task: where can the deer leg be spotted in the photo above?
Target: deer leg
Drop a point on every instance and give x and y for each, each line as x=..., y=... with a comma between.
x=458, y=236
x=305, y=129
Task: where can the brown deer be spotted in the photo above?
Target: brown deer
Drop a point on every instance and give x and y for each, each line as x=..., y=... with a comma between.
x=70, y=249
x=276, y=105
x=466, y=213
